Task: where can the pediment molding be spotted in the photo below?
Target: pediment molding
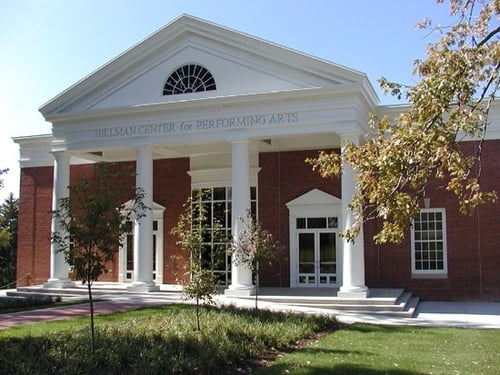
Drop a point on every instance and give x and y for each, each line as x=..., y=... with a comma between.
x=187, y=32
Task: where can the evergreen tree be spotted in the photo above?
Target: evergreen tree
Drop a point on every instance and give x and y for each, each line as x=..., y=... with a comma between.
x=9, y=211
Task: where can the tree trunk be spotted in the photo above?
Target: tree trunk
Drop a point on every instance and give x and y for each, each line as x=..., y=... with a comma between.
x=92, y=333
x=198, y=314
x=256, y=284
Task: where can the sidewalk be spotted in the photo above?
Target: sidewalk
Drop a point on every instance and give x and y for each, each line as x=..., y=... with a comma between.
x=429, y=314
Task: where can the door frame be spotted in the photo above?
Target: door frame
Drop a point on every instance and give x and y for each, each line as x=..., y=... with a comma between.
x=317, y=256
x=314, y=203
x=158, y=213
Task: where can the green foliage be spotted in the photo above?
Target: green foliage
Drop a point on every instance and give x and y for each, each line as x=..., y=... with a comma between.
x=93, y=222
x=365, y=349
x=9, y=212
x=457, y=83
x=156, y=341
x=193, y=231
x=5, y=237
x=9, y=303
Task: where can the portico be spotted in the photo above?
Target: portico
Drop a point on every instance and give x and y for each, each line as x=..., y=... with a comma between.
x=283, y=103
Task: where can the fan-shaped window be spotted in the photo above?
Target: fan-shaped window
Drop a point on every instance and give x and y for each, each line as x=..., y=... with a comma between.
x=189, y=78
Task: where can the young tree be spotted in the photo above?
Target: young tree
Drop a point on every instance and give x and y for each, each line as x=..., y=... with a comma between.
x=255, y=247
x=458, y=80
x=93, y=223
x=9, y=212
x=193, y=233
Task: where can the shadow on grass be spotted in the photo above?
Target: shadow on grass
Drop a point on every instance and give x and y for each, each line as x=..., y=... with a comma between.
x=340, y=369
x=154, y=341
x=131, y=354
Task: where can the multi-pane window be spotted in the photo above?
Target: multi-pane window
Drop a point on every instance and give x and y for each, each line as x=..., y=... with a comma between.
x=217, y=202
x=317, y=222
x=428, y=237
x=188, y=79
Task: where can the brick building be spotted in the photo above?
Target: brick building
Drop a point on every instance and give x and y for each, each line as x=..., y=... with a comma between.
x=199, y=106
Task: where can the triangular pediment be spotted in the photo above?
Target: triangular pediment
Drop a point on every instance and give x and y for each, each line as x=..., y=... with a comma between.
x=240, y=64
x=314, y=197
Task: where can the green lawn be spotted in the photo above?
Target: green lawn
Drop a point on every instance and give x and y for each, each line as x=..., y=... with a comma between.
x=163, y=340
x=368, y=349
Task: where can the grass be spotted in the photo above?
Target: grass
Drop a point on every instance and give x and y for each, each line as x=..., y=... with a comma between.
x=161, y=340
x=373, y=350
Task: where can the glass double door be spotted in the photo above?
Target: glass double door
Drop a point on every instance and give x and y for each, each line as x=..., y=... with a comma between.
x=129, y=273
x=317, y=258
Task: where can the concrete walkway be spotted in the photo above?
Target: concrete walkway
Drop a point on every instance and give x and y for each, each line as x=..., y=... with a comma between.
x=428, y=314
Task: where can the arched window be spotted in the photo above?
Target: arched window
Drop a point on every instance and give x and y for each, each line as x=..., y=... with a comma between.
x=189, y=78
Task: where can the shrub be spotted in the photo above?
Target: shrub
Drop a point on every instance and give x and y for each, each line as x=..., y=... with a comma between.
x=7, y=303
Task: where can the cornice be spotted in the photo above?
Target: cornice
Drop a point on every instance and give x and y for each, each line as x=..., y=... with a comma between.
x=305, y=95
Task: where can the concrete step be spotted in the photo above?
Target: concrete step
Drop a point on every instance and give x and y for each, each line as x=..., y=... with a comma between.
x=81, y=292
x=367, y=305
x=389, y=302
x=388, y=297
x=63, y=297
x=404, y=310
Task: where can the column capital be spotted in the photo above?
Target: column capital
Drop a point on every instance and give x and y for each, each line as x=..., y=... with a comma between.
x=353, y=137
x=238, y=140
x=61, y=155
x=143, y=148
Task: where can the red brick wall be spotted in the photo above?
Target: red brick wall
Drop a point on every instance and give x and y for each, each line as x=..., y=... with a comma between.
x=472, y=241
x=35, y=203
x=285, y=176
x=172, y=187
x=473, y=244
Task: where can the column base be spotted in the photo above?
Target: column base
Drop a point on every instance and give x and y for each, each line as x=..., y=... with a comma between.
x=240, y=290
x=143, y=287
x=353, y=292
x=59, y=283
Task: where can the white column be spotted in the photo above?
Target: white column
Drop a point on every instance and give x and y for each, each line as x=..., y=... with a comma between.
x=143, y=226
x=353, y=266
x=241, y=275
x=58, y=266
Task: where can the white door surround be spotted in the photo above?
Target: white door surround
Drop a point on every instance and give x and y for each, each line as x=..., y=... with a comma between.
x=313, y=204
x=157, y=211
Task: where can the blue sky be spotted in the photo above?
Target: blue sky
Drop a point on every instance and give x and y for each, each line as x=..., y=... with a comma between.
x=48, y=45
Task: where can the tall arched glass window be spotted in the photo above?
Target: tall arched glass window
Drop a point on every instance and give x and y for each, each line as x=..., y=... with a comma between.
x=187, y=79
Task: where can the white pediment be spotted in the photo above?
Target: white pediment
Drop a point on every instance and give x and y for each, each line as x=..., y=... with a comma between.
x=315, y=203
x=314, y=197
x=241, y=64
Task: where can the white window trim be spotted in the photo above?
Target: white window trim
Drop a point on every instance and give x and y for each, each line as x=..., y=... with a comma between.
x=430, y=274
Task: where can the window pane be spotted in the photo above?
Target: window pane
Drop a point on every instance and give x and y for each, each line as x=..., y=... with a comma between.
x=220, y=194
x=253, y=193
x=333, y=222
x=428, y=241
x=316, y=222
x=220, y=213
x=301, y=223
